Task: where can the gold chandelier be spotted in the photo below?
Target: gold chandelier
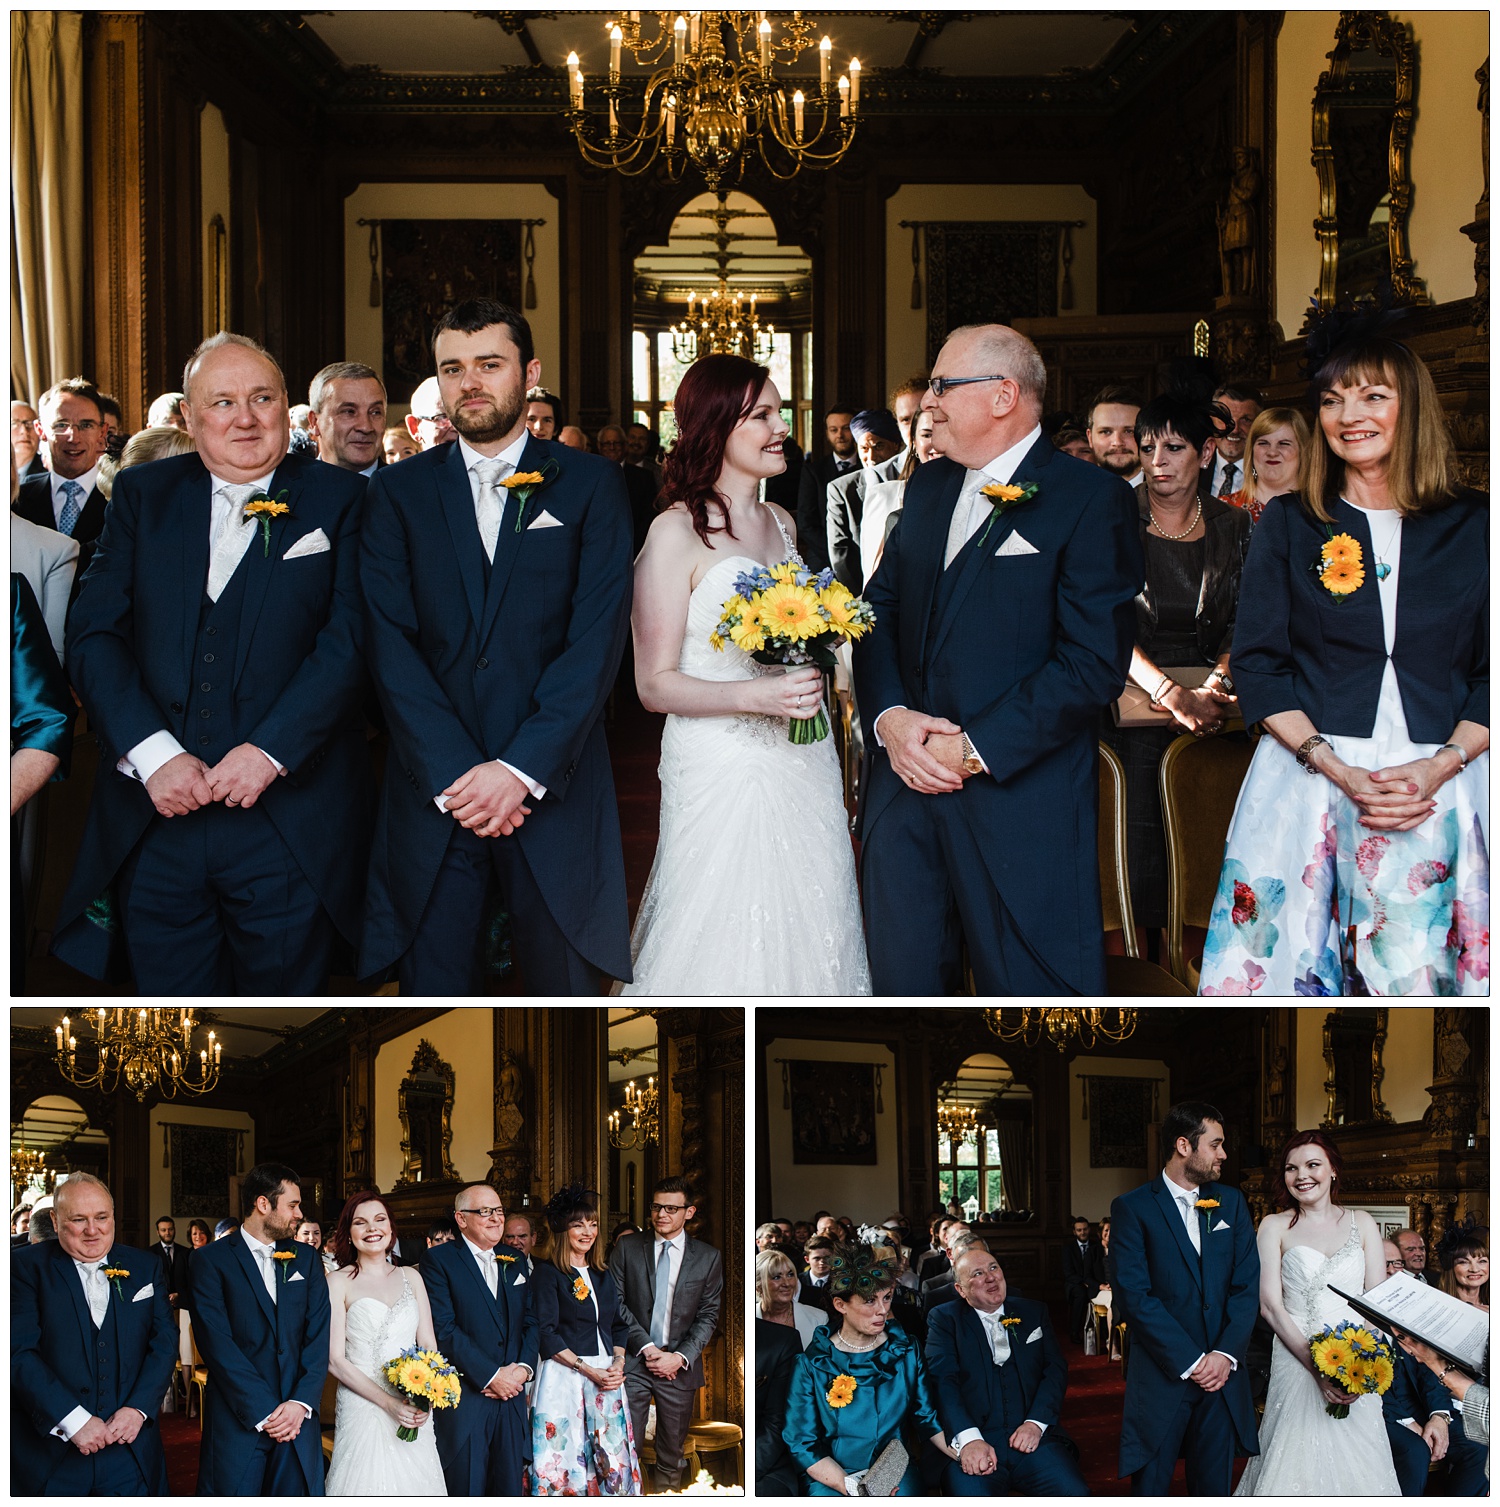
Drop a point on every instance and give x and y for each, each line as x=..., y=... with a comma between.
x=720, y=324
x=958, y=1123
x=149, y=1048
x=714, y=104
x=1063, y=1026
x=26, y=1165
x=641, y=1104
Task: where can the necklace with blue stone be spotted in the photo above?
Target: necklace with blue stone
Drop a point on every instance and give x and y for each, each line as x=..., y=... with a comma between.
x=1382, y=567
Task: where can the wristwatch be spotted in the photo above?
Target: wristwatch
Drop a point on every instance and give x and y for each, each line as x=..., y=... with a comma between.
x=972, y=762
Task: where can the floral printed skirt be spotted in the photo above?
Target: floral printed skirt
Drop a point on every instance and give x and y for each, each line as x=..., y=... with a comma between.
x=1312, y=903
x=581, y=1442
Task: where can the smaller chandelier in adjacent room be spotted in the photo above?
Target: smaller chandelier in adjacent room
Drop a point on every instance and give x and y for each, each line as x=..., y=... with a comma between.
x=720, y=324
x=718, y=102
x=26, y=1167
x=150, y=1049
x=1063, y=1026
x=641, y=1105
x=958, y=1122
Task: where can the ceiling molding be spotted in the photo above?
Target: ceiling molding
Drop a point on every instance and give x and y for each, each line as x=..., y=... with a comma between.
x=289, y=44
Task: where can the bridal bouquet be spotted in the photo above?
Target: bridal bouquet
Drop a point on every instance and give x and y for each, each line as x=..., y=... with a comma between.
x=425, y=1379
x=1354, y=1358
x=785, y=615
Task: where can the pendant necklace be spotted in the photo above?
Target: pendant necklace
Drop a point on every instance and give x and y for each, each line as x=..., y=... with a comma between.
x=1382, y=567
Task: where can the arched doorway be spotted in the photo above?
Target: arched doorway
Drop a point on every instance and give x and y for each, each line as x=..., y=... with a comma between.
x=57, y=1128
x=987, y=1170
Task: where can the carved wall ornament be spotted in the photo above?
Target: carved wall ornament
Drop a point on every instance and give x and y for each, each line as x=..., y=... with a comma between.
x=1239, y=228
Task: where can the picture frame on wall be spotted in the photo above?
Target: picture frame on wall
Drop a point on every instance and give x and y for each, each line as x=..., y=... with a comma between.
x=833, y=1105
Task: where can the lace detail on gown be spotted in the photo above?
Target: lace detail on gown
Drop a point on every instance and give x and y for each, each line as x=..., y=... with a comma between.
x=368, y=1458
x=752, y=889
x=1304, y=1452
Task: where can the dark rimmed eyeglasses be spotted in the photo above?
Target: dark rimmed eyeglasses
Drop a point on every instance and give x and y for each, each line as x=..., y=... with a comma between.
x=940, y=385
x=492, y=1213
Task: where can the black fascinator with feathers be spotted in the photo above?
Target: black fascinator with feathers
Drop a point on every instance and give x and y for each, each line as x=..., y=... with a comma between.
x=856, y=1273
x=1353, y=321
x=1467, y=1237
x=568, y=1204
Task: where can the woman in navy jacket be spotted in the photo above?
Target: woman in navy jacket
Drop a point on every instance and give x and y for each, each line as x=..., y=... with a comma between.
x=1361, y=647
x=580, y=1427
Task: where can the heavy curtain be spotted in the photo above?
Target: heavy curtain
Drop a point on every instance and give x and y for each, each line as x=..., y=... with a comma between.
x=47, y=143
x=1015, y=1163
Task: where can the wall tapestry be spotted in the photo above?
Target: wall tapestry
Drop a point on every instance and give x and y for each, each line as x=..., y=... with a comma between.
x=430, y=265
x=203, y=1161
x=1118, y=1111
x=833, y=1113
x=988, y=272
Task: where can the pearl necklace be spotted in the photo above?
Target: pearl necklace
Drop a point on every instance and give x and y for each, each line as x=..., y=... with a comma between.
x=844, y=1344
x=1188, y=530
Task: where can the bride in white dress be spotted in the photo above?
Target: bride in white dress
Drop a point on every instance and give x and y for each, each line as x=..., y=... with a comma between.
x=377, y=1311
x=752, y=891
x=1303, y=1450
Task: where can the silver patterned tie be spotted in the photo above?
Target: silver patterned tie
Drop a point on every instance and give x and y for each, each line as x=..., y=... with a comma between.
x=490, y=506
x=98, y=1294
x=234, y=537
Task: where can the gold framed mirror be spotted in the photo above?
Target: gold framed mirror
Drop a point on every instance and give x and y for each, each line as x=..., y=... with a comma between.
x=1354, y=1055
x=425, y=1103
x=1363, y=110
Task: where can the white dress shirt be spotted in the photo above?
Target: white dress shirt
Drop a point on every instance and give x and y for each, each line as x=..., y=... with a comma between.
x=969, y=513
x=511, y=455
x=489, y=1269
x=1220, y=466
x=88, y=481
x=1186, y=1200
x=151, y=753
x=1000, y=1347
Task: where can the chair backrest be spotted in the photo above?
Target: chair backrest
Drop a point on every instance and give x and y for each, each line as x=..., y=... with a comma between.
x=193, y=1340
x=1200, y=783
x=1114, y=876
x=329, y=1402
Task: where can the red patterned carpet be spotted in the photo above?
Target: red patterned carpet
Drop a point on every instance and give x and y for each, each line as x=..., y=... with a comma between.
x=180, y=1439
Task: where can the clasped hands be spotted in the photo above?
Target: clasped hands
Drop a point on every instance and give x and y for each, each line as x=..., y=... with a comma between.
x=1397, y=799
x=926, y=752
x=977, y=1458
x=185, y=783
x=506, y=1383
x=663, y=1363
x=1212, y=1371
x=488, y=800
x=285, y=1423
x=99, y=1433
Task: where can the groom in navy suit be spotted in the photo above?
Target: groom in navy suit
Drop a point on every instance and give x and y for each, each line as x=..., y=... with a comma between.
x=1187, y=1282
x=218, y=657
x=496, y=617
x=90, y=1357
x=260, y=1319
x=1000, y=1376
x=1003, y=626
x=484, y=1323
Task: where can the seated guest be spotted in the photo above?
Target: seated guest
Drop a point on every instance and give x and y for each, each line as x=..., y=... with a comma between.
x=580, y=1426
x=776, y=1352
x=820, y=1252
x=1194, y=548
x=43, y=1227
x=49, y=561
x=1106, y=1261
x=573, y=437
x=1413, y=1253
x=836, y=1433
x=776, y=1289
x=906, y=1302
x=1470, y=1397
x=768, y=1236
x=1000, y=1376
x=396, y=444
x=1273, y=455
x=1081, y=1270
x=942, y=1289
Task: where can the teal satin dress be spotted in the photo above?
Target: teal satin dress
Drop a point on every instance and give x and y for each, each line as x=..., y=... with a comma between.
x=891, y=1399
x=41, y=706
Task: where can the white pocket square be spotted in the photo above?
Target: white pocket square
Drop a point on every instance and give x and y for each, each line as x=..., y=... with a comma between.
x=544, y=519
x=520, y=1280
x=315, y=543
x=1034, y=1336
x=296, y=1277
x=1222, y=1225
x=1015, y=545
x=146, y=1292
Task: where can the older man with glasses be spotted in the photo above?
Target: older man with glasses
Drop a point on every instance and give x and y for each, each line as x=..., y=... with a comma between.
x=1004, y=622
x=484, y=1323
x=427, y=423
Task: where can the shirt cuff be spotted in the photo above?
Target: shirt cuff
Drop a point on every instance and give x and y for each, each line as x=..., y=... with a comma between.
x=72, y=1423
x=149, y=755
x=967, y=1436
x=1037, y=1422
x=537, y=791
x=875, y=727
x=280, y=769
x=264, y=1421
x=1184, y=1375
x=1234, y=1365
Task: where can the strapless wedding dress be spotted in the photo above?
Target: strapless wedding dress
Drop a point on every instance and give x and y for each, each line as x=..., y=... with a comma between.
x=368, y=1459
x=1303, y=1451
x=752, y=890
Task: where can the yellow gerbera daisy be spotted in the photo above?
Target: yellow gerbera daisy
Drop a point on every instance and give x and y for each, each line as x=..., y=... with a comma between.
x=835, y=600
x=1332, y=1354
x=1342, y=549
x=416, y=1375
x=1000, y=492
x=748, y=634
x=1385, y=1373
x=786, y=571
x=1341, y=579
x=788, y=611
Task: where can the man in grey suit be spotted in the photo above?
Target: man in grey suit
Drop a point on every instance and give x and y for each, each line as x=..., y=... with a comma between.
x=670, y=1286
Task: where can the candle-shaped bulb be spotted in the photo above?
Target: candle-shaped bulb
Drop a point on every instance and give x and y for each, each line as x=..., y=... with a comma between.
x=575, y=82
x=799, y=103
x=616, y=36
x=58, y=1030
x=765, y=46
x=854, y=86
x=679, y=40
x=843, y=95
x=825, y=61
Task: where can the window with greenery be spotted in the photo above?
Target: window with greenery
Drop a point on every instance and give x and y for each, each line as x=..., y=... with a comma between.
x=969, y=1173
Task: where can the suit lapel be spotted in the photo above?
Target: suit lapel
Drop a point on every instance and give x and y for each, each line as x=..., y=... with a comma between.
x=973, y=559
x=491, y=1304
x=940, y=519
x=66, y=1273
x=251, y=1273
x=508, y=545
x=457, y=502
x=260, y=561
x=1168, y=1210
x=195, y=507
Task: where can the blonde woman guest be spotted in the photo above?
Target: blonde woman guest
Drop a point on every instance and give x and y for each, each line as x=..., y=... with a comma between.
x=776, y=1296
x=156, y=443
x=1275, y=446
x=1357, y=859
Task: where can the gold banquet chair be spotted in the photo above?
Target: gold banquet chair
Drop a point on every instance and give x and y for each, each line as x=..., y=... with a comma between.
x=1132, y=974
x=1200, y=783
x=198, y=1379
